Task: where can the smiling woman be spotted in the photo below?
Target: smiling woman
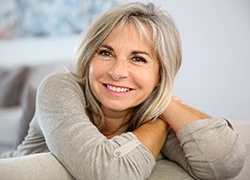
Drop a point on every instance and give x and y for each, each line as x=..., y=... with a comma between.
x=158, y=54
x=123, y=73
x=125, y=63
x=116, y=113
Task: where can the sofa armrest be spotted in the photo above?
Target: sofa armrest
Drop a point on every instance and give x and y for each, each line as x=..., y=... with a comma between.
x=9, y=123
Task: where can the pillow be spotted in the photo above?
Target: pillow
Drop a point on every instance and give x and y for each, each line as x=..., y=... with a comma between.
x=28, y=111
x=11, y=85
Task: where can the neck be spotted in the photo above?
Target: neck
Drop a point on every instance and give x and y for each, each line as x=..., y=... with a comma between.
x=115, y=123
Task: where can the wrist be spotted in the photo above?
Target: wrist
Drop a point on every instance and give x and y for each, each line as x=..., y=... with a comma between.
x=152, y=135
x=179, y=115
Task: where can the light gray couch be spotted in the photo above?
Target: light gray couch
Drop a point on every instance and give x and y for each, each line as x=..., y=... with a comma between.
x=13, y=115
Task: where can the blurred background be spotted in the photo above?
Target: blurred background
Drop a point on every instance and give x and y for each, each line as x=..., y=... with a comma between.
x=214, y=76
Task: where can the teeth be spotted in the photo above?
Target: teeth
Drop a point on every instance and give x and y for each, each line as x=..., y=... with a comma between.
x=117, y=89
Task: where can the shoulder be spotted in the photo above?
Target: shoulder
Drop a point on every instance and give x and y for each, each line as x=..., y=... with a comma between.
x=59, y=82
x=57, y=76
x=60, y=78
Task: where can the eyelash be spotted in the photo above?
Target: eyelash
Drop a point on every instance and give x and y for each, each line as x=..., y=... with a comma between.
x=139, y=59
x=104, y=53
x=108, y=54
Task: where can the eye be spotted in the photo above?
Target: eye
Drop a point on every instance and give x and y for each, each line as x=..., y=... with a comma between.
x=104, y=53
x=139, y=59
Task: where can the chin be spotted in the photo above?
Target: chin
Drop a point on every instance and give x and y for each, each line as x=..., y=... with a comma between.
x=116, y=108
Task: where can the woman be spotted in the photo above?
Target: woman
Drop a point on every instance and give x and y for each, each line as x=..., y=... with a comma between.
x=110, y=120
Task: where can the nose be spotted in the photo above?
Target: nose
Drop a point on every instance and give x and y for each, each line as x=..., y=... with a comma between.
x=118, y=70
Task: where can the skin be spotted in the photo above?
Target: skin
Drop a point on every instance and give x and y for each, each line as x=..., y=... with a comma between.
x=178, y=120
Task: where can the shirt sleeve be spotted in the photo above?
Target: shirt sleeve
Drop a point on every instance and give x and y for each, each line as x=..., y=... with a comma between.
x=78, y=144
x=207, y=149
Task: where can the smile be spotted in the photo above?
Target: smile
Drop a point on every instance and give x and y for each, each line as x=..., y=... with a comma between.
x=117, y=89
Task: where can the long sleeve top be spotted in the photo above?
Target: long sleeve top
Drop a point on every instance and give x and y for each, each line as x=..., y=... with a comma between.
x=207, y=149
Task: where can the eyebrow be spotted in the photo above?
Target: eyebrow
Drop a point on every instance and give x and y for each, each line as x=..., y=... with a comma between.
x=141, y=52
x=107, y=46
x=133, y=52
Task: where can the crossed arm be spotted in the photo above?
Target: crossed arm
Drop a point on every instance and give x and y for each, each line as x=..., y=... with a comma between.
x=205, y=147
x=81, y=148
x=141, y=159
x=177, y=115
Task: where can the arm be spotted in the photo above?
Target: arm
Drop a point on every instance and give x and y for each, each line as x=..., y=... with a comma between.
x=179, y=115
x=207, y=148
x=153, y=135
x=79, y=145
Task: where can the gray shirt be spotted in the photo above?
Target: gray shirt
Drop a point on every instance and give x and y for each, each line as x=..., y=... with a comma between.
x=61, y=130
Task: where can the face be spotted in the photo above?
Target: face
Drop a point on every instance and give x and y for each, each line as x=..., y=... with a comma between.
x=124, y=70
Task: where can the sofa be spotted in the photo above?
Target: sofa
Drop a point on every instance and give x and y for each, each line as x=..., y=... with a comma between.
x=17, y=96
x=18, y=86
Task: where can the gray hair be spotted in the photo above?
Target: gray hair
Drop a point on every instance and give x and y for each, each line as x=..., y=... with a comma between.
x=167, y=47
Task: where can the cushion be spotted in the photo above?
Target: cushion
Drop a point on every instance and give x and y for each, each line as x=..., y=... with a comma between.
x=166, y=169
x=11, y=84
x=28, y=111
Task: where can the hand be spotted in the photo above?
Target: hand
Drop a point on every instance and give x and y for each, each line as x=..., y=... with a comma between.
x=175, y=98
x=179, y=115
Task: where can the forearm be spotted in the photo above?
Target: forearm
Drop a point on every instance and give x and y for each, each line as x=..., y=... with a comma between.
x=179, y=115
x=152, y=135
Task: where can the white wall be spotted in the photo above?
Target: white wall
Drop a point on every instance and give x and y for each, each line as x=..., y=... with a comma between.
x=216, y=55
x=33, y=51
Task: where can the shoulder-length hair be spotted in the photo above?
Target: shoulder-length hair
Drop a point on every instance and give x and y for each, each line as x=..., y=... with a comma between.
x=166, y=44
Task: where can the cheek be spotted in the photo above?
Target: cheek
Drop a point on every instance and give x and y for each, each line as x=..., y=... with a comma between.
x=150, y=78
x=146, y=80
x=96, y=71
x=93, y=75
x=93, y=69
x=93, y=78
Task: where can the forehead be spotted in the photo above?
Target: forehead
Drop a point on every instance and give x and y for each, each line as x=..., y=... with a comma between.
x=141, y=30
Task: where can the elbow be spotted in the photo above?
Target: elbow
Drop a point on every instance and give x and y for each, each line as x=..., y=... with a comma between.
x=232, y=163
x=133, y=165
x=104, y=162
x=225, y=167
